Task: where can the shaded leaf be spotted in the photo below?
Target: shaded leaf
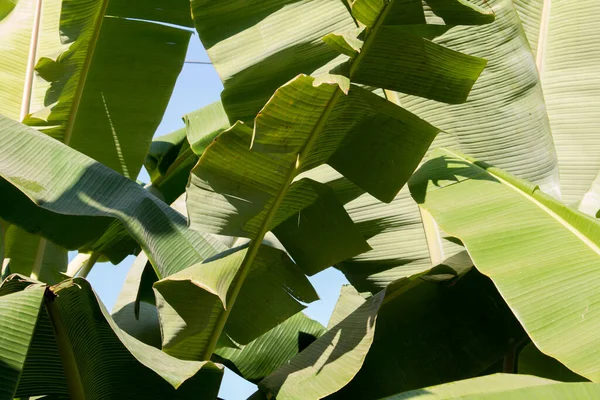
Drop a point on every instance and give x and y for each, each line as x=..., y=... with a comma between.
x=72, y=206
x=540, y=253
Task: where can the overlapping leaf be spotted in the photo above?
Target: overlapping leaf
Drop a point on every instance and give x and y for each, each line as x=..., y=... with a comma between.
x=425, y=333
x=69, y=198
x=18, y=317
x=566, y=58
x=332, y=360
x=191, y=302
x=77, y=349
x=541, y=254
x=503, y=122
x=79, y=94
x=265, y=354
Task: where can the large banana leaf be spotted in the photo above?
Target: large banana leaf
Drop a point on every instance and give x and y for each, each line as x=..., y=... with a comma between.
x=395, y=231
x=87, y=88
x=24, y=256
x=567, y=55
x=20, y=310
x=71, y=199
x=68, y=344
x=426, y=333
x=191, y=302
x=257, y=46
x=244, y=182
x=265, y=354
x=257, y=49
x=332, y=360
x=541, y=254
x=504, y=121
x=504, y=386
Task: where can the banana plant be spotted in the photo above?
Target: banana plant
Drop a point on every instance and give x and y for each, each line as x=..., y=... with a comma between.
x=59, y=74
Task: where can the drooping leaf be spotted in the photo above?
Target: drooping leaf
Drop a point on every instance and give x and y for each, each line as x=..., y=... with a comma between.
x=70, y=198
x=237, y=191
x=268, y=352
x=76, y=339
x=18, y=316
x=504, y=122
x=430, y=333
x=420, y=67
x=540, y=253
x=190, y=303
x=109, y=110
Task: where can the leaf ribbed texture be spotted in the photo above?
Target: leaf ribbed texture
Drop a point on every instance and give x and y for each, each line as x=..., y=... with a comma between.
x=541, y=254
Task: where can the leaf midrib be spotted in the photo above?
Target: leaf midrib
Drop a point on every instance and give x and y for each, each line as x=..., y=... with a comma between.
x=84, y=73
x=543, y=37
x=265, y=226
x=580, y=235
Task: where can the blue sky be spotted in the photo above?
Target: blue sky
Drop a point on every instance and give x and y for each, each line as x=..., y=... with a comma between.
x=197, y=86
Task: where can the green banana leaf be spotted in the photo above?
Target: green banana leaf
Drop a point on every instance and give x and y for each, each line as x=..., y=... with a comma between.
x=265, y=354
x=258, y=46
x=191, y=302
x=20, y=310
x=78, y=93
x=253, y=57
x=24, y=257
x=504, y=386
x=244, y=183
x=72, y=346
x=566, y=60
x=503, y=122
x=236, y=191
x=425, y=333
x=71, y=199
x=333, y=359
x=541, y=254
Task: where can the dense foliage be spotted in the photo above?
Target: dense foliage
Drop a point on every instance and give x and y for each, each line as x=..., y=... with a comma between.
x=472, y=265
